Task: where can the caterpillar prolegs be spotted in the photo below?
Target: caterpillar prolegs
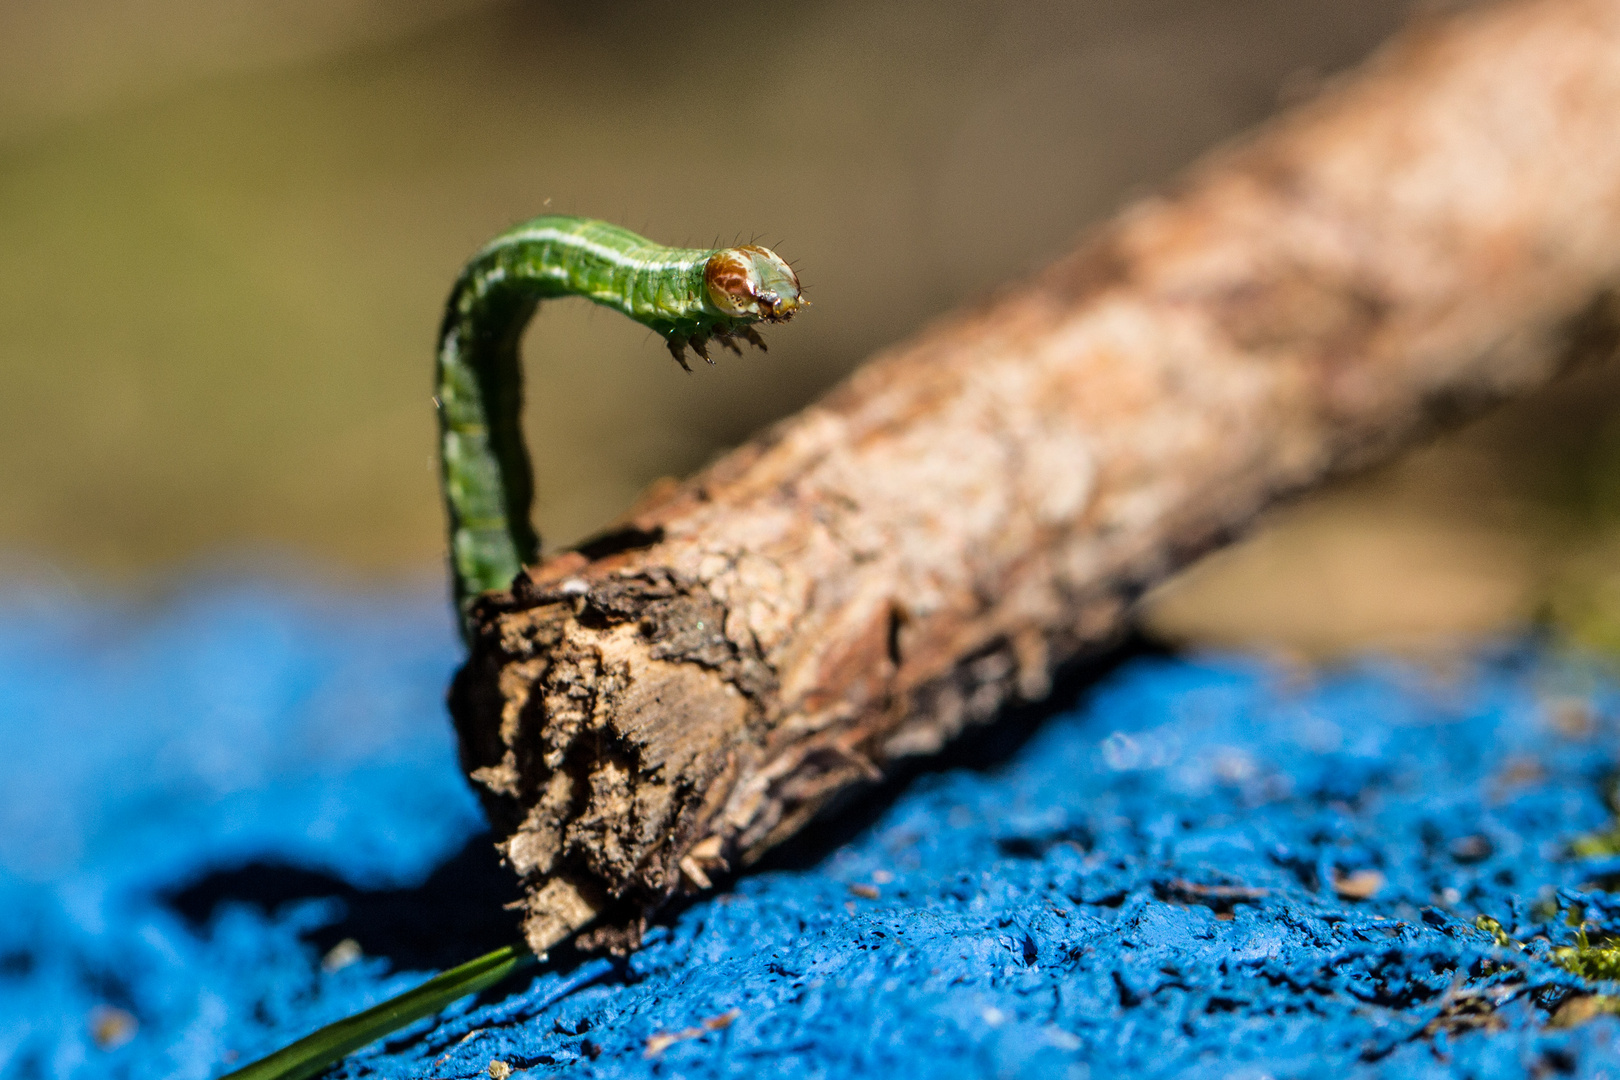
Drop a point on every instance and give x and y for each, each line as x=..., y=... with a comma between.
x=690, y=296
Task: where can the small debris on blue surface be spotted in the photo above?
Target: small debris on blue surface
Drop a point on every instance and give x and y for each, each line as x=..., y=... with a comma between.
x=236, y=816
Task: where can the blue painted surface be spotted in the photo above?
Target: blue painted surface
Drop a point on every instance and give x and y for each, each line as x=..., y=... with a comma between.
x=199, y=800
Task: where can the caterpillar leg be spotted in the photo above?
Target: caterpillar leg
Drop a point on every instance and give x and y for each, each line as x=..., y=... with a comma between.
x=677, y=349
x=729, y=342
x=753, y=338
x=700, y=345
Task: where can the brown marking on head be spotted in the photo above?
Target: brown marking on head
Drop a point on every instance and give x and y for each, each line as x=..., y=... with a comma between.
x=727, y=277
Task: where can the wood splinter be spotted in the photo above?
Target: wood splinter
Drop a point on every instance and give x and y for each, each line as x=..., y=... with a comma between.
x=986, y=501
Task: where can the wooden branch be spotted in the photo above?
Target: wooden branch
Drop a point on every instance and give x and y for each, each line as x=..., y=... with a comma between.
x=986, y=501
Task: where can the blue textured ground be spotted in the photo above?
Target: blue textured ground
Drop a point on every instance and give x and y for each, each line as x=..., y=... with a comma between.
x=199, y=800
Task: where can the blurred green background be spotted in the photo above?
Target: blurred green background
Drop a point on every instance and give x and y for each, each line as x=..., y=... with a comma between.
x=228, y=226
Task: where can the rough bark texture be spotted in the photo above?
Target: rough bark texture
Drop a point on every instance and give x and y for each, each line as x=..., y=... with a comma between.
x=981, y=503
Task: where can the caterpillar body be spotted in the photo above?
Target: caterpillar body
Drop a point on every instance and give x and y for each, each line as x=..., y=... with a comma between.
x=689, y=296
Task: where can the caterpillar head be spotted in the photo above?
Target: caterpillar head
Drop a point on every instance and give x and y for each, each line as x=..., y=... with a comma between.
x=752, y=283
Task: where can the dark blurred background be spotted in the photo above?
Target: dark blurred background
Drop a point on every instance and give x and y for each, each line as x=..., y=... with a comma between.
x=227, y=226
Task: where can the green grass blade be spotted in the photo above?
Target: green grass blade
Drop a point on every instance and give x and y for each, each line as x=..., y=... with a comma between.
x=310, y=1055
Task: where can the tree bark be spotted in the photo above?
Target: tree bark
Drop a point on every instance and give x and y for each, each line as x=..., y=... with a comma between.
x=977, y=505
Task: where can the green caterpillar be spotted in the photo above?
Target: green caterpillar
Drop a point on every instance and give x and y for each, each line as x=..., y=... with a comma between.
x=687, y=295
